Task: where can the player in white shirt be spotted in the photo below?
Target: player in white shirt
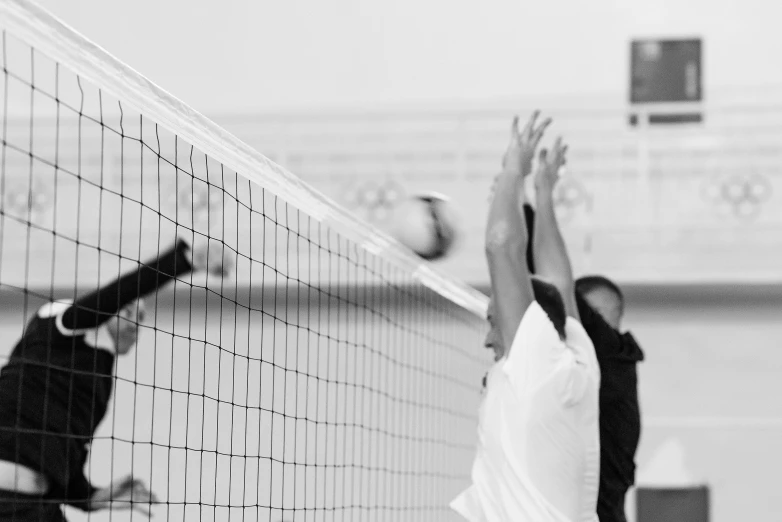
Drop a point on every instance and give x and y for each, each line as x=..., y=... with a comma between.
x=538, y=454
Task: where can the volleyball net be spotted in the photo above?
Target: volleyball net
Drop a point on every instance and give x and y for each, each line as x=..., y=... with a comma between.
x=331, y=376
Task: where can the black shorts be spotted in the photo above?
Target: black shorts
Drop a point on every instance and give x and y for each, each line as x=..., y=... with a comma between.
x=21, y=507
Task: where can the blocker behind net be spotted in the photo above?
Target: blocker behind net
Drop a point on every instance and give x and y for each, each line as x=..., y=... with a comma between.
x=330, y=376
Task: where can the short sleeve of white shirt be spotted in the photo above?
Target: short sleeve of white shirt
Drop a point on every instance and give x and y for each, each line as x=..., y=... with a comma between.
x=578, y=337
x=468, y=505
x=583, y=365
x=536, y=349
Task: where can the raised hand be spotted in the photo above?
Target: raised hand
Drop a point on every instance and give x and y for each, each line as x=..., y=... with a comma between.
x=521, y=148
x=210, y=255
x=125, y=493
x=550, y=167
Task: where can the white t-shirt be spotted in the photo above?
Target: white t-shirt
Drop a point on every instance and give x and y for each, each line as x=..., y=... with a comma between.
x=538, y=455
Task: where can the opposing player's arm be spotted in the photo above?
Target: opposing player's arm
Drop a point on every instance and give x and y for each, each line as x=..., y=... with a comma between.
x=550, y=253
x=506, y=242
x=97, y=307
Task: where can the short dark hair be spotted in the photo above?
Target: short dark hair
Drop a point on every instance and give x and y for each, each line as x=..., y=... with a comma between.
x=549, y=298
x=588, y=283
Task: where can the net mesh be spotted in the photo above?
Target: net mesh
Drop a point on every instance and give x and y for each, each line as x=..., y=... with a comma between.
x=319, y=381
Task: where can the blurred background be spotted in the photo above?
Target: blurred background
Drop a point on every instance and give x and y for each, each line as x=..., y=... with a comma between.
x=370, y=101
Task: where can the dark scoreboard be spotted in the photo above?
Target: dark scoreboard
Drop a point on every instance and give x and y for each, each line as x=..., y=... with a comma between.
x=666, y=71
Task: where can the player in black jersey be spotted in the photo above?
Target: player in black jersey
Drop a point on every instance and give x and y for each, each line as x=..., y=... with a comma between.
x=56, y=386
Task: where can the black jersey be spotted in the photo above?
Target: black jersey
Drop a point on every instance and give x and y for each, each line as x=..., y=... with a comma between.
x=56, y=386
x=54, y=392
x=618, y=355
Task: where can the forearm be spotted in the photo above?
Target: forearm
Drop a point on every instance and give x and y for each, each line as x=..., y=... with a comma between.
x=505, y=244
x=97, y=307
x=505, y=227
x=550, y=252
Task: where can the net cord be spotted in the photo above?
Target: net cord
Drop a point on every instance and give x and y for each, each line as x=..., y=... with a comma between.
x=36, y=26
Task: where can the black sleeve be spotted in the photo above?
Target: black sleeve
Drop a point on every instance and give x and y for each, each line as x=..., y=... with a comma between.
x=79, y=493
x=94, y=309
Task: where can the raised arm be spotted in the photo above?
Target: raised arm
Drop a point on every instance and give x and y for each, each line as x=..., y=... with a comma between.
x=609, y=342
x=549, y=251
x=506, y=241
x=97, y=307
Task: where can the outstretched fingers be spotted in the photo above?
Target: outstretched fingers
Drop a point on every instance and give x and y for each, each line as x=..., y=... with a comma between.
x=530, y=126
x=560, y=149
x=537, y=135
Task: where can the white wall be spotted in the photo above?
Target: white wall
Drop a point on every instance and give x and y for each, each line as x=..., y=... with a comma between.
x=243, y=55
x=709, y=391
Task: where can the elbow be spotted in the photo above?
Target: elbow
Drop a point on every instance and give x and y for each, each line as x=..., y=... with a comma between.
x=508, y=247
x=494, y=251
x=508, y=259
x=505, y=254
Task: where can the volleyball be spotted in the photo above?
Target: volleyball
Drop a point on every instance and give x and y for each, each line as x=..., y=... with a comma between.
x=426, y=224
